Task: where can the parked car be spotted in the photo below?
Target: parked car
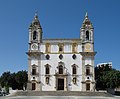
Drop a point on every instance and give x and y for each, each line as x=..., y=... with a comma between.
x=1, y=94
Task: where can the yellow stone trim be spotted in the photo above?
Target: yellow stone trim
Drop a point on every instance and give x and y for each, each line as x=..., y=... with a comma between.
x=47, y=47
x=74, y=47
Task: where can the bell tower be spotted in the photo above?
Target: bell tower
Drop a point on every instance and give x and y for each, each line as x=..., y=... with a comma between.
x=34, y=55
x=87, y=38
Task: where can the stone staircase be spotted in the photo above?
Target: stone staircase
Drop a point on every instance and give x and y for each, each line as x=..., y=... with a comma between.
x=61, y=93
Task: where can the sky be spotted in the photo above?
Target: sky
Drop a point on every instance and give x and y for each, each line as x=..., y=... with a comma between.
x=59, y=19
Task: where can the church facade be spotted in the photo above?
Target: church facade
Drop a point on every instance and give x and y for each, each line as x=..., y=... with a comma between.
x=61, y=64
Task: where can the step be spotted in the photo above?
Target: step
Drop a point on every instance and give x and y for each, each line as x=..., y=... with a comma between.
x=61, y=93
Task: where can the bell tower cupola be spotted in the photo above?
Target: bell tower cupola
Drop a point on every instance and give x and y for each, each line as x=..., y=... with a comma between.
x=87, y=30
x=35, y=31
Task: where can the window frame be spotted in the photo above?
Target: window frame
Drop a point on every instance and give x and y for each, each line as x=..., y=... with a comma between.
x=60, y=69
x=87, y=70
x=87, y=35
x=74, y=66
x=47, y=69
x=34, y=71
x=34, y=36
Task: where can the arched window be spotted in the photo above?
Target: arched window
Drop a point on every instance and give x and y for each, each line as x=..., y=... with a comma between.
x=88, y=71
x=33, y=71
x=60, y=69
x=47, y=70
x=74, y=70
x=34, y=35
x=87, y=35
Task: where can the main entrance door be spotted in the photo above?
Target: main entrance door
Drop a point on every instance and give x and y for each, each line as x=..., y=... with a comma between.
x=60, y=84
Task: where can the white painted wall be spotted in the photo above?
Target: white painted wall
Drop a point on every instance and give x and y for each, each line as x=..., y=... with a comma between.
x=88, y=61
x=68, y=62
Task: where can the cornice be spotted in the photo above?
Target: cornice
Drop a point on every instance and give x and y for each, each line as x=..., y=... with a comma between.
x=62, y=40
x=88, y=53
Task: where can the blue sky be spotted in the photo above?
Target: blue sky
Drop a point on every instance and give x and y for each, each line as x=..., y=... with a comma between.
x=59, y=19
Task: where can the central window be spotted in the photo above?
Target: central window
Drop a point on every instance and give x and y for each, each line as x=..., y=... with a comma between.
x=60, y=69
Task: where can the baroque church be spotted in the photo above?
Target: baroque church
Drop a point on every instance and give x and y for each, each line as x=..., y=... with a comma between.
x=61, y=64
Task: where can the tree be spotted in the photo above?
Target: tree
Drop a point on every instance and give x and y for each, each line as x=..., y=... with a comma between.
x=21, y=79
x=106, y=77
x=5, y=79
x=99, y=73
x=112, y=79
x=15, y=80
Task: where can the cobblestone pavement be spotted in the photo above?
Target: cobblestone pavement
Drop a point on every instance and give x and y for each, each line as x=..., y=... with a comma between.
x=60, y=97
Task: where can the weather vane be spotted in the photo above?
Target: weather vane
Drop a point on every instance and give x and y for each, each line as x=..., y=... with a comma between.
x=36, y=13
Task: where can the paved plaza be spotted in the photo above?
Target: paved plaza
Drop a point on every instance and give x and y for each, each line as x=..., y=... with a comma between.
x=60, y=97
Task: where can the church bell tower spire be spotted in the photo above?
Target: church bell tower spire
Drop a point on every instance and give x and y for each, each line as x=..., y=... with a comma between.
x=87, y=30
x=35, y=30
